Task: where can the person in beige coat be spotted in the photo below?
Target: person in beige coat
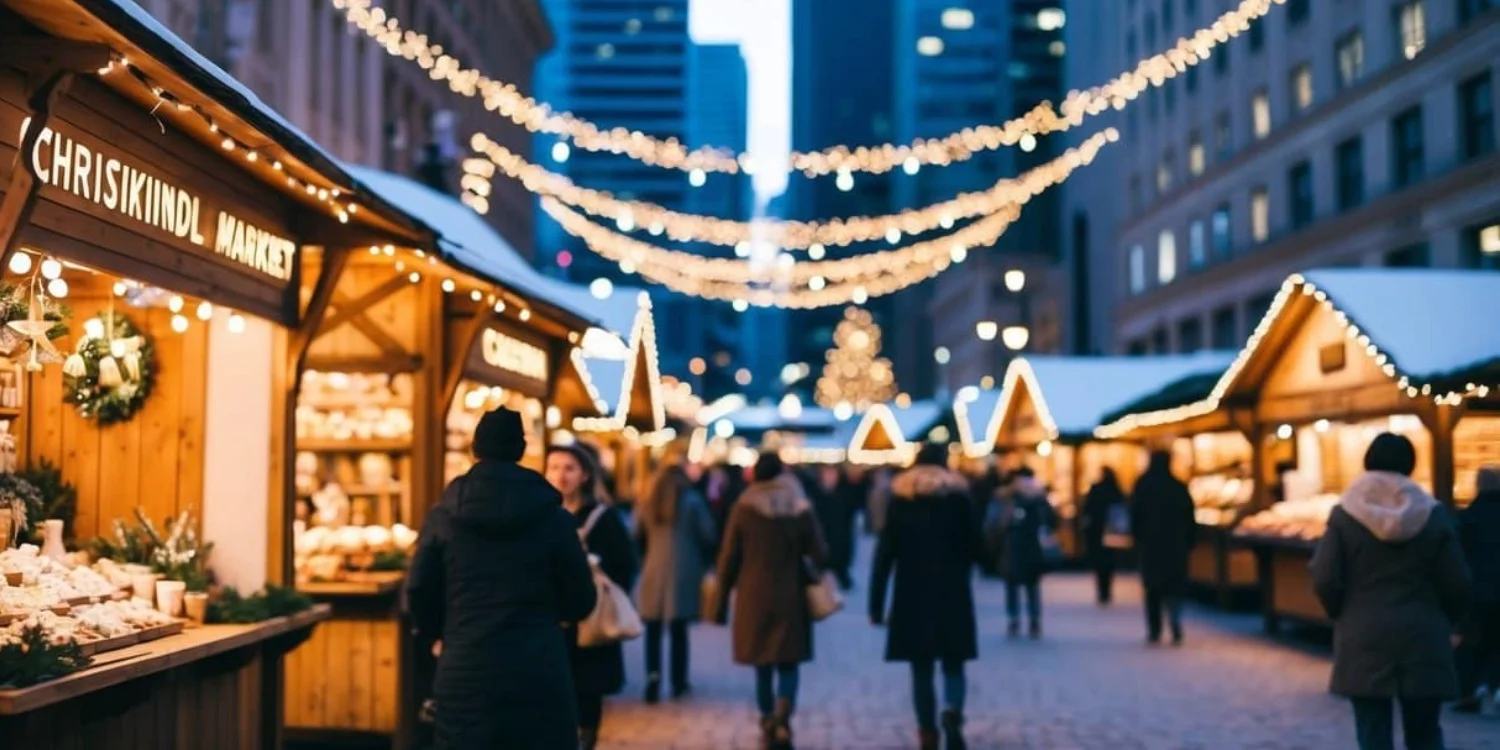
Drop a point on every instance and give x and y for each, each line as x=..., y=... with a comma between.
x=772, y=539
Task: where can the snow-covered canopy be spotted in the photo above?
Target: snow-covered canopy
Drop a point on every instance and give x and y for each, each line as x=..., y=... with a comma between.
x=902, y=428
x=1073, y=394
x=1433, y=328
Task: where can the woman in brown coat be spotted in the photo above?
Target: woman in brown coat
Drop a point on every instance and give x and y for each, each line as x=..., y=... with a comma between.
x=772, y=537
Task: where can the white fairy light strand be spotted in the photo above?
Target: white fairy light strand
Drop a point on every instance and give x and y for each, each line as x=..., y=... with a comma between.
x=507, y=100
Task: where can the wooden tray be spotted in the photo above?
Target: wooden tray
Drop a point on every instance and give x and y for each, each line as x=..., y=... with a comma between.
x=109, y=644
x=160, y=631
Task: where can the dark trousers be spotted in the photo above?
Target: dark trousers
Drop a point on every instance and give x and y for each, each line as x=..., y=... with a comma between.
x=1374, y=722
x=1479, y=654
x=773, y=682
x=590, y=712
x=924, y=695
x=1104, y=575
x=678, y=634
x=1157, y=601
x=1033, y=592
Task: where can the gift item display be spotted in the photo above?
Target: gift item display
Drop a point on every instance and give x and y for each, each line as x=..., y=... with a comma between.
x=1301, y=520
x=329, y=553
x=1216, y=466
x=354, y=434
x=1220, y=500
x=354, y=407
x=1476, y=444
x=469, y=404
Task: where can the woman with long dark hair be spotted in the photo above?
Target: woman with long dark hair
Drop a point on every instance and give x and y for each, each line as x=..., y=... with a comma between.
x=598, y=671
x=674, y=524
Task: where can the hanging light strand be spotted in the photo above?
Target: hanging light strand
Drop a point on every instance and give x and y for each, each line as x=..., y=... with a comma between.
x=507, y=100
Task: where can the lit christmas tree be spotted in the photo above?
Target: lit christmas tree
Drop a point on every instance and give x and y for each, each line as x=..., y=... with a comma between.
x=854, y=376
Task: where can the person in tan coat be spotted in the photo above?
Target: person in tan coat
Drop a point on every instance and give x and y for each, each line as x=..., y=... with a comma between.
x=772, y=539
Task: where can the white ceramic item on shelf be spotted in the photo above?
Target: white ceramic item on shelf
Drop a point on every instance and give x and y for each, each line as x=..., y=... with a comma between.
x=195, y=603
x=52, y=531
x=169, y=597
x=143, y=585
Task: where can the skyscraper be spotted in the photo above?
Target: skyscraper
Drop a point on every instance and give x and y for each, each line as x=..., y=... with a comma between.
x=621, y=63
x=841, y=94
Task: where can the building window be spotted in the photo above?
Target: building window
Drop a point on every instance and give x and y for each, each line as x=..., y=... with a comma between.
x=1164, y=173
x=958, y=19
x=1150, y=33
x=1297, y=11
x=1469, y=9
x=1190, y=9
x=1197, y=245
x=1190, y=335
x=1223, y=232
x=1260, y=214
x=1407, y=150
x=1136, y=202
x=1299, y=184
x=1166, y=257
x=1196, y=157
x=1350, y=51
x=1220, y=55
x=1302, y=87
x=1190, y=79
x=1137, y=348
x=930, y=46
x=1169, y=95
x=1411, y=256
x=1350, y=156
x=1258, y=34
x=1159, y=340
x=1476, y=112
x=1137, y=269
x=1482, y=247
x=1130, y=46
x=1226, y=333
x=1051, y=19
x=1411, y=28
x=1151, y=108
x=1260, y=114
x=1166, y=16
x=1257, y=308
x=1223, y=136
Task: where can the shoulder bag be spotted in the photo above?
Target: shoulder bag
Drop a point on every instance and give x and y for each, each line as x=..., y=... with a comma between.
x=614, y=618
x=823, y=596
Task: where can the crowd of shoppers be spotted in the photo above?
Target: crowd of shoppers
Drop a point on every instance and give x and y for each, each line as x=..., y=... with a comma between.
x=511, y=561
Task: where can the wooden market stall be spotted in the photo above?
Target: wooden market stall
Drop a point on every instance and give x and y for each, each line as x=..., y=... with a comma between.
x=420, y=342
x=158, y=230
x=1333, y=364
x=1047, y=411
x=1214, y=454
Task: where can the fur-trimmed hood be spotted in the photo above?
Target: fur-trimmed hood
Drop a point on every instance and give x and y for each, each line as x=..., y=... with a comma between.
x=782, y=497
x=927, y=481
x=1391, y=506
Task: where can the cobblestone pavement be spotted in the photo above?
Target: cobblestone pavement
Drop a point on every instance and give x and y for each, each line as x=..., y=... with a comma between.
x=1090, y=683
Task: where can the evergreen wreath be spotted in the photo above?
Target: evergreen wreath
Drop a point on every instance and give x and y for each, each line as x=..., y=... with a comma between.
x=109, y=403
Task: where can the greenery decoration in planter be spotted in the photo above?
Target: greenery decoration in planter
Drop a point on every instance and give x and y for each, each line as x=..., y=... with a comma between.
x=231, y=607
x=33, y=657
x=59, y=498
x=110, y=376
x=21, y=502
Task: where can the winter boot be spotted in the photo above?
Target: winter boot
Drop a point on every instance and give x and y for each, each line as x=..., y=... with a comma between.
x=953, y=729
x=782, y=733
x=767, y=732
x=653, y=688
x=929, y=739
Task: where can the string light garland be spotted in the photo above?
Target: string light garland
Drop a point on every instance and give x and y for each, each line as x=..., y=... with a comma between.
x=798, y=285
x=508, y=101
x=789, y=235
x=642, y=347
x=336, y=199
x=1295, y=285
x=853, y=372
x=901, y=451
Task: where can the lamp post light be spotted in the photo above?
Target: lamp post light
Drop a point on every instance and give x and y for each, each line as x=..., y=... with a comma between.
x=986, y=330
x=1015, y=337
x=1015, y=280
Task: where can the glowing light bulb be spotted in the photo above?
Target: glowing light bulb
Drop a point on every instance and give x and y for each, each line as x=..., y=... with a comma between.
x=697, y=177
x=175, y=304
x=51, y=268
x=20, y=263
x=845, y=180
x=601, y=288
x=560, y=152
x=180, y=323
x=236, y=323
x=93, y=328
x=911, y=165
x=205, y=311
x=57, y=288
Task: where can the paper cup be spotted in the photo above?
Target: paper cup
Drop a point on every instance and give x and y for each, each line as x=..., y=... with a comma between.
x=143, y=585
x=196, y=605
x=169, y=597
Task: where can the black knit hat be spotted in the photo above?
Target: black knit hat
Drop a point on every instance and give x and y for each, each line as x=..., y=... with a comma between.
x=500, y=436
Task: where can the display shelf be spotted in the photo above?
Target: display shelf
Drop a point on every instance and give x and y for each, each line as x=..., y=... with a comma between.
x=334, y=445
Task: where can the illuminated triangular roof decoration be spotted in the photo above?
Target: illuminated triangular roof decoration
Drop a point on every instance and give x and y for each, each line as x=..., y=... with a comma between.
x=887, y=435
x=640, y=406
x=1430, y=331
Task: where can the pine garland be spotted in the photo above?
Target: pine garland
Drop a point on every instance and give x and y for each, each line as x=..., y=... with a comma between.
x=36, y=658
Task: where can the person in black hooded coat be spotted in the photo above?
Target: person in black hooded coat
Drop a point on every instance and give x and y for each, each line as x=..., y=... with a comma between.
x=1163, y=523
x=496, y=568
x=1479, y=532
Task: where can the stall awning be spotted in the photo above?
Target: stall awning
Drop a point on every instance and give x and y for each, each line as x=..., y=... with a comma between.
x=1071, y=395
x=891, y=434
x=637, y=403
x=1428, y=330
x=972, y=409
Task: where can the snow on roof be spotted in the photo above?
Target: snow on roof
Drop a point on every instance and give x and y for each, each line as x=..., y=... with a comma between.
x=972, y=411
x=616, y=313
x=1073, y=394
x=918, y=418
x=1430, y=323
x=608, y=377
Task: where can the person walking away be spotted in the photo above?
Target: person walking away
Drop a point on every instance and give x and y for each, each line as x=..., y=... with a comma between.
x=830, y=498
x=1104, y=499
x=1479, y=651
x=772, y=537
x=932, y=543
x=496, y=568
x=598, y=671
x=878, y=501
x=674, y=524
x=1164, y=526
x=1025, y=516
x=1391, y=574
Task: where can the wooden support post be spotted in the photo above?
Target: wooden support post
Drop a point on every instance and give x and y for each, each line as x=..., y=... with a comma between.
x=349, y=310
x=458, y=357
x=1443, y=422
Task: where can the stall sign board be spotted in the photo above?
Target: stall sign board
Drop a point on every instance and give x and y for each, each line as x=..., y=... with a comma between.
x=511, y=359
x=105, y=179
x=1332, y=358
